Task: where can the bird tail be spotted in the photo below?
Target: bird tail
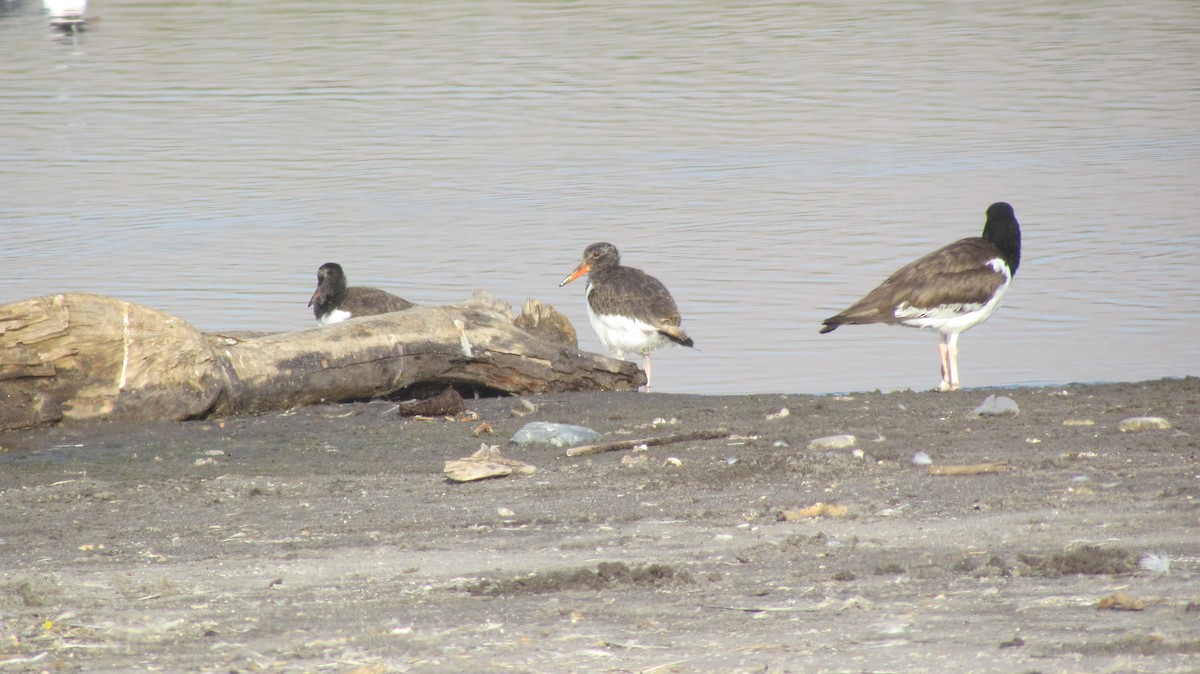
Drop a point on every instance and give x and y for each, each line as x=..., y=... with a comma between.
x=678, y=336
x=828, y=326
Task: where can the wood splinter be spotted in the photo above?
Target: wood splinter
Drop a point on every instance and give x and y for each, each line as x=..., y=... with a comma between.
x=617, y=445
x=970, y=469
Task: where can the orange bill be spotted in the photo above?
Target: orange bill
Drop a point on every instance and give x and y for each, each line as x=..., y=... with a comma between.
x=582, y=269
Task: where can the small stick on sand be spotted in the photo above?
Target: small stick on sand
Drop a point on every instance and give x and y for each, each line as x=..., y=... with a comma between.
x=649, y=442
x=970, y=469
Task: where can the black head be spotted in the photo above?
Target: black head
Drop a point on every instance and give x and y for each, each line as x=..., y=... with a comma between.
x=1003, y=231
x=331, y=283
x=330, y=272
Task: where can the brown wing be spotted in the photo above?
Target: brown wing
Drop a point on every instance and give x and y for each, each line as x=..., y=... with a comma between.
x=957, y=274
x=362, y=301
x=632, y=292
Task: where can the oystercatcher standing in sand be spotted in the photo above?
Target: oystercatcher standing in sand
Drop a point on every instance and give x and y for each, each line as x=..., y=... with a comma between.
x=948, y=290
x=629, y=309
x=333, y=302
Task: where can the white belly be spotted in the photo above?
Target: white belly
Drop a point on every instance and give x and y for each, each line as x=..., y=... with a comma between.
x=335, y=316
x=619, y=334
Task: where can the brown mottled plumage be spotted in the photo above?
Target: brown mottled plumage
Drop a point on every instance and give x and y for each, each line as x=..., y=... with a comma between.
x=629, y=309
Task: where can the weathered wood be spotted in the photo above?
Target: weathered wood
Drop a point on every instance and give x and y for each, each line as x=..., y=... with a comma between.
x=485, y=463
x=545, y=322
x=969, y=469
x=80, y=356
x=617, y=445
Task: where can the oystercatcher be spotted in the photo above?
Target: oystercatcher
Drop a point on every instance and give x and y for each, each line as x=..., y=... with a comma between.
x=629, y=309
x=333, y=302
x=948, y=290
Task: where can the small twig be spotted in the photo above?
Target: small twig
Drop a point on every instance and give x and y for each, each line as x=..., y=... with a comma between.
x=758, y=609
x=970, y=469
x=23, y=661
x=649, y=442
x=663, y=668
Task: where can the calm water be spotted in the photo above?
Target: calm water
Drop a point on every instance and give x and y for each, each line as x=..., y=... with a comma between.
x=770, y=162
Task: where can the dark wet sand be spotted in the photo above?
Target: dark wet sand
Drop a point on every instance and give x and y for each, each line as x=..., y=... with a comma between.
x=327, y=540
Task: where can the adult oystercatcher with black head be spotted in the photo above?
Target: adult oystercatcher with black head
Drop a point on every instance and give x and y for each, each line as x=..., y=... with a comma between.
x=333, y=302
x=629, y=309
x=948, y=290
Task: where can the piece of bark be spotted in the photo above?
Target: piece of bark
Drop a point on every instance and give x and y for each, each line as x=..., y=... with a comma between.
x=448, y=403
x=80, y=356
x=814, y=511
x=617, y=445
x=1121, y=601
x=969, y=469
x=484, y=463
x=546, y=322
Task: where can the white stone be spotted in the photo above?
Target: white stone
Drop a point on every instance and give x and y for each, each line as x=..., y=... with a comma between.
x=833, y=442
x=996, y=406
x=1138, y=424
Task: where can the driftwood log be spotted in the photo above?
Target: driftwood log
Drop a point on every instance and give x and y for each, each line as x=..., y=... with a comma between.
x=81, y=356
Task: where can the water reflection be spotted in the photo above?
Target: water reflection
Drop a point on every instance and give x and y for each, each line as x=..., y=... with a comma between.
x=770, y=162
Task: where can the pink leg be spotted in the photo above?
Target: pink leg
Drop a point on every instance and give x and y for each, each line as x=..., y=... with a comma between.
x=646, y=367
x=948, y=350
x=944, y=354
x=955, y=384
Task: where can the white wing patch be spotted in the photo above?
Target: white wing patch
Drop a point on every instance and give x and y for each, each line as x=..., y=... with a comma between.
x=954, y=318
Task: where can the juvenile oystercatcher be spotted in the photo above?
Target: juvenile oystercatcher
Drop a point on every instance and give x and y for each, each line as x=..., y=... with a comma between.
x=333, y=302
x=948, y=290
x=629, y=309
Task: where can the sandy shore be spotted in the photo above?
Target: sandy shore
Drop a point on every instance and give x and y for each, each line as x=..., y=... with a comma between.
x=328, y=540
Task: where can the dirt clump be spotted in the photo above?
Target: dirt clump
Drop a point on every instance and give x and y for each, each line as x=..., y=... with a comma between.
x=605, y=575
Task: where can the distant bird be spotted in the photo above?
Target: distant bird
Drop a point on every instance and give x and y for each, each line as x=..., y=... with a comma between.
x=333, y=302
x=948, y=290
x=629, y=309
x=65, y=13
